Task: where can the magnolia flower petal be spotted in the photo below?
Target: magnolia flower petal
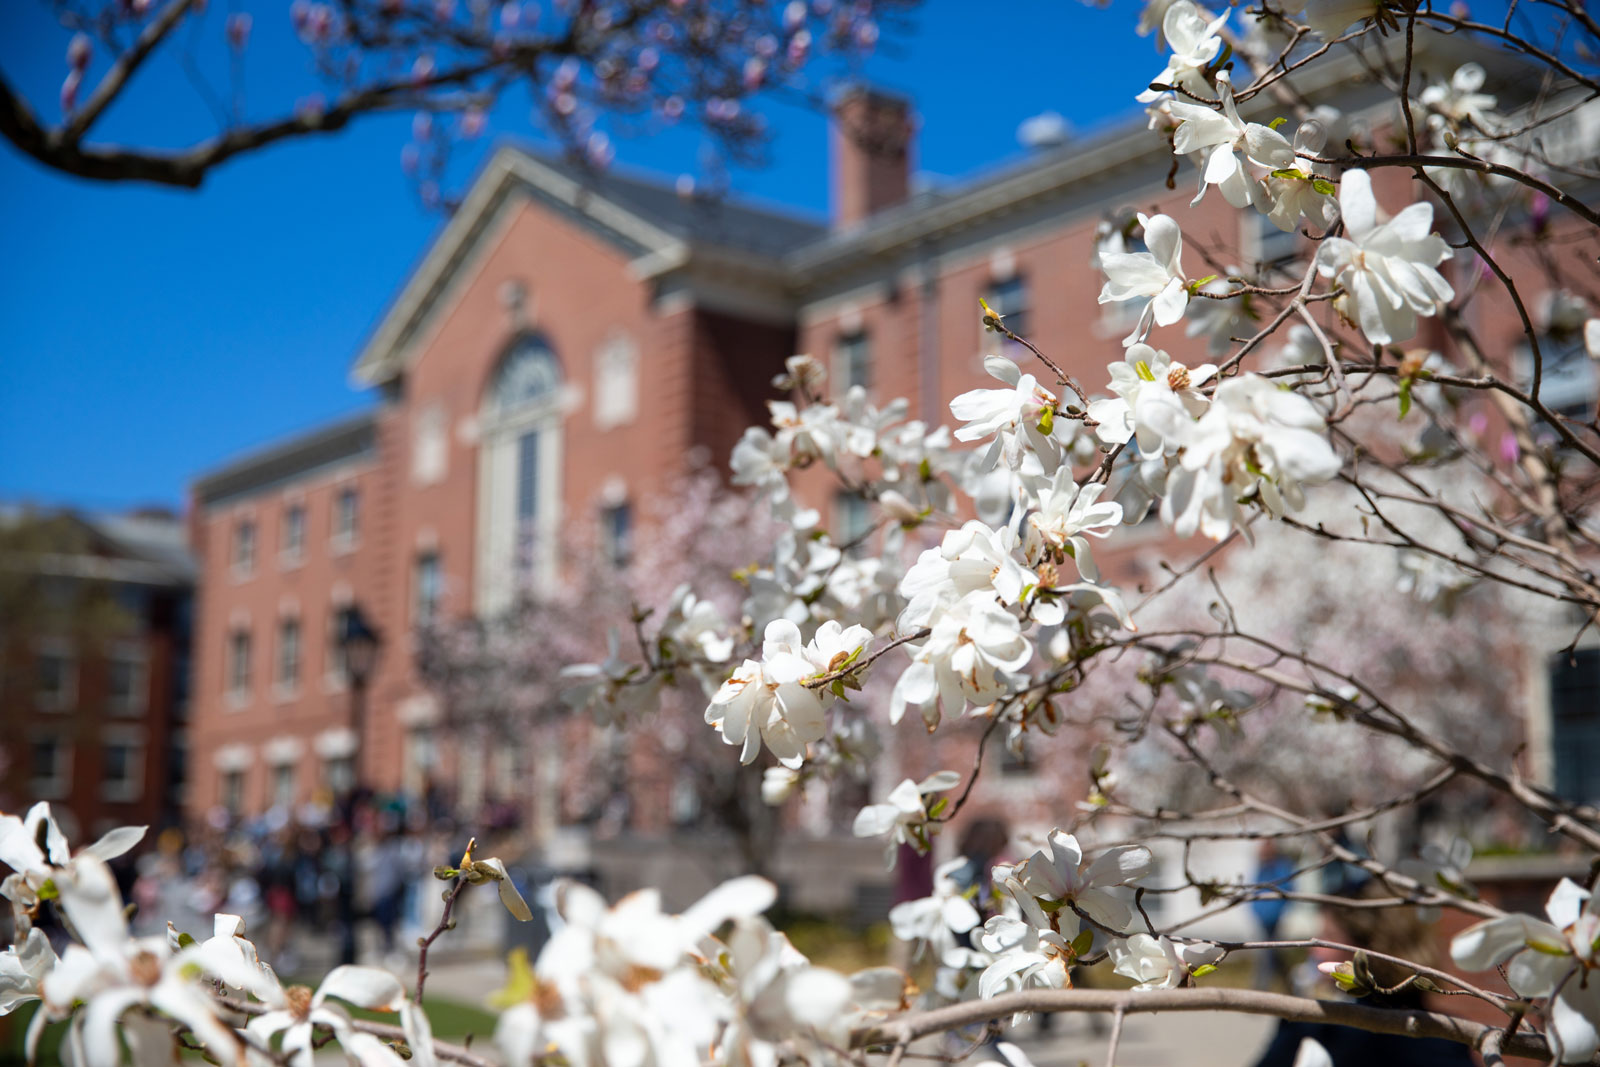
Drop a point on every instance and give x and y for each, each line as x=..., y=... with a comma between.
x=116, y=842
x=1493, y=941
x=365, y=987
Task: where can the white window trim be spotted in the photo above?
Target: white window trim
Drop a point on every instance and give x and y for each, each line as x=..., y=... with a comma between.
x=344, y=542
x=291, y=558
x=239, y=696
x=497, y=508
x=283, y=692
x=243, y=570
x=616, y=371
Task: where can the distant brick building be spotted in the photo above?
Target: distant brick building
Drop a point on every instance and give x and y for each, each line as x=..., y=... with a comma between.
x=569, y=341
x=94, y=667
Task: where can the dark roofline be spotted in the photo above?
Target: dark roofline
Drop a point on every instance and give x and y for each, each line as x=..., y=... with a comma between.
x=290, y=459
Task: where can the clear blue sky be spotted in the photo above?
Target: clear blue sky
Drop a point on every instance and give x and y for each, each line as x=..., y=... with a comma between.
x=150, y=334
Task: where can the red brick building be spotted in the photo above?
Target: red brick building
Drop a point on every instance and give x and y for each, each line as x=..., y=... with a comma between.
x=570, y=340
x=94, y=667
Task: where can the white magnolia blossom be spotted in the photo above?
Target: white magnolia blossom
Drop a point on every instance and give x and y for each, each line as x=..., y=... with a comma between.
x=1067, y=516
x=938, y=921
x=1157, y=400
x=23, y=966
x=768, y=700
x=1195, y=45
x=1301, y=189
x=974, y=648
x=1387, y=269
x=972, y=560
x=1027, y=954
x=903, y=818
x=1591, y=338
x=35, y=849
x=609, y=690
x=1301, y=348
x=1159, y=962
x=1059, y=874
x=1430, y=579
x=1156, y=275
x=110, y=972
x=1254, y=438
x=1330, y=18
x=1542, y=959
x=295, y=1013
x=698, y=624
x=1459, y=101
x=1237, y=154
x=1024, y=414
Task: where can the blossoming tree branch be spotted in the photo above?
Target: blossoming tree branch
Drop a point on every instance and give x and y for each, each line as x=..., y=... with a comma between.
x=633, y=65
x=1357, y=409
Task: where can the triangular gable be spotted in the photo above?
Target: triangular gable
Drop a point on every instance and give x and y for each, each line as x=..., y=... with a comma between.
x=511, y=174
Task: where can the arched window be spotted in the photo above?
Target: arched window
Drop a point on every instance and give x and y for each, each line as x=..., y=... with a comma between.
x=519, y=474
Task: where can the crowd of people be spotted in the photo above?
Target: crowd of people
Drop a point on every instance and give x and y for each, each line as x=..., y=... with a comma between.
x=355, y=875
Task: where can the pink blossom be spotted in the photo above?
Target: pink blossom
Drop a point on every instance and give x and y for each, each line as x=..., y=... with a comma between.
x=238, y=30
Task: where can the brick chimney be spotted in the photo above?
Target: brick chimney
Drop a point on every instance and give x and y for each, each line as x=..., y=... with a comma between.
x=871, y=140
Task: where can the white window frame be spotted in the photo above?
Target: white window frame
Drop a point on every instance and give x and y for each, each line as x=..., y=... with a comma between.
x=346, y=537
x=239, y=694
x=616, y=383
x=292, y=553
x=275, y=775
x=844, y=367
x=499, y=578
x=425, y=608
x=242, y=550
x=288, y=688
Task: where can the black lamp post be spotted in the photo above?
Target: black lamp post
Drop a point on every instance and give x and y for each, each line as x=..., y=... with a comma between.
x=358, y=642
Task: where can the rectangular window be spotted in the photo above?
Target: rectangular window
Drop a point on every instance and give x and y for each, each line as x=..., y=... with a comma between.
x=1274, y=247
x=294, y=533
x=239, y=664
x=852, y=362
x=244, y=547
x=528, y=477
x=339, y=624
x=55, y=679
x=426, y=610
x=1009, y=299
x=339, y=774
x=1575, y=724
x=852, y=522
x=283, y=786
x=122, y=769
x=232, y=792
x=50, y=770
x=527, y=501
x=289, y=654
x=616, y=531
x=346, y=517
x=125, y=683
